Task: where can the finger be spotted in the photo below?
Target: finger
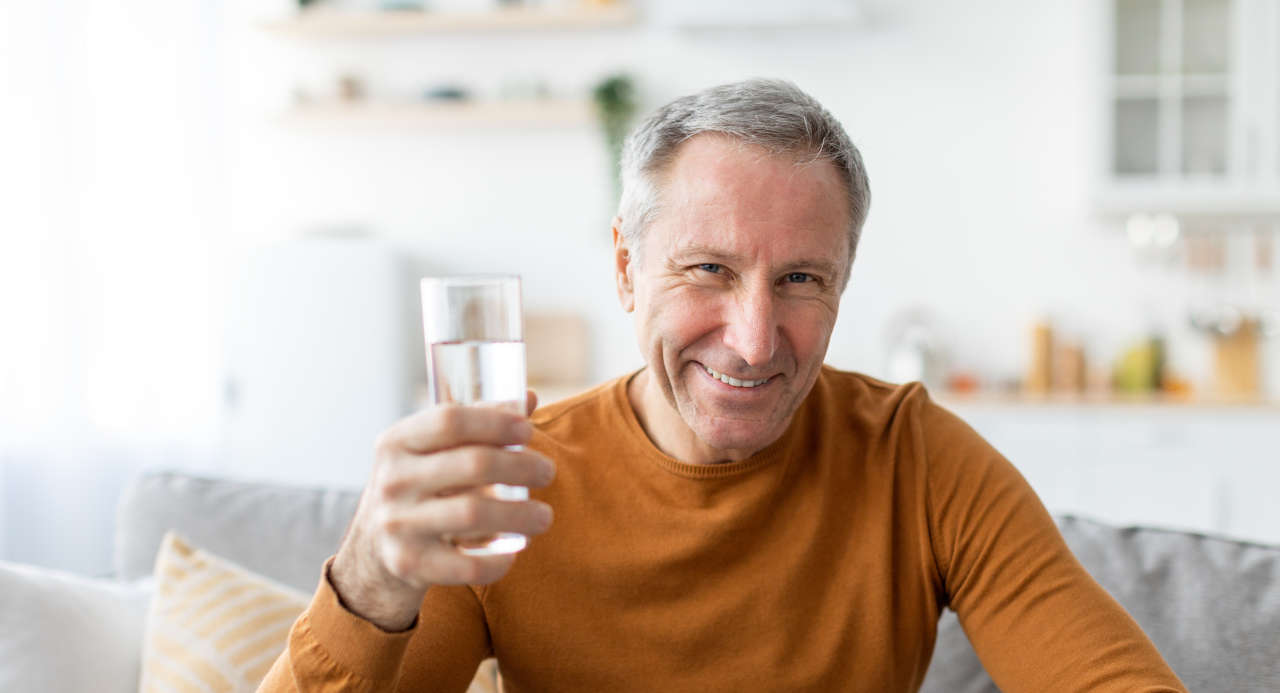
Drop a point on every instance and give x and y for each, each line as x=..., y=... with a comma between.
x=439, y=563
x=423, y=476
x=530, y=402
x=449, y=425
x=467, y=514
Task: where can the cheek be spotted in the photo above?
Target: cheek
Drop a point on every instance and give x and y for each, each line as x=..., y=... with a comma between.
x=808, y=332
x=681, y=319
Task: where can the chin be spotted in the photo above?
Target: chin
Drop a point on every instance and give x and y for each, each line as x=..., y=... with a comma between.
x=738, y=436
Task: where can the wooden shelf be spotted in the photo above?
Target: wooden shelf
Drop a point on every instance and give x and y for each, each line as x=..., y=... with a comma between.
x=532, y=113
x=356, y=24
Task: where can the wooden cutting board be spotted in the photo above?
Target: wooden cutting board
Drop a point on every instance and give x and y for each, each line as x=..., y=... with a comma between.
x=1236, y=362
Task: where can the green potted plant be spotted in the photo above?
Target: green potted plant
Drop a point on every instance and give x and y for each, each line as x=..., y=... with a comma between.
x=614, y=98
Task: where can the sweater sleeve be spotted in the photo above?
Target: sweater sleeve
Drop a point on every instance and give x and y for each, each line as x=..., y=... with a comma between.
x=332, y=649
x=1036, y=618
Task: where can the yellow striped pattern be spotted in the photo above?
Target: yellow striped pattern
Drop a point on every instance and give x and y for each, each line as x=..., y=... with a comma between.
x=213, y=627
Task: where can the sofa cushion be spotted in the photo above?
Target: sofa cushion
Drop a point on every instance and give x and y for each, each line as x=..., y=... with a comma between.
x=64, y=632
x=213, y=625
x=1210, y=605
x=282, y=532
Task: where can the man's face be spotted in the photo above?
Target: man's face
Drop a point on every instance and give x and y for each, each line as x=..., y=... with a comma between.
x=739, y=278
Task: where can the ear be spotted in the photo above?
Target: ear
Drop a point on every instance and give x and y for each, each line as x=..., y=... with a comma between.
x=622, y=259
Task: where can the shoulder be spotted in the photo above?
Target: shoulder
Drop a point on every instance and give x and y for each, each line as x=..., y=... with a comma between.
x=579, y=413
x=904, y=413
x=871, y=399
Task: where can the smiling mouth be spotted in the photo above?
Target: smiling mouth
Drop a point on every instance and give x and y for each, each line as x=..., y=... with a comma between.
x=728, y=380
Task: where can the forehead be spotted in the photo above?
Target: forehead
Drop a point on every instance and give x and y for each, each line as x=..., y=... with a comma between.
x=720, y=193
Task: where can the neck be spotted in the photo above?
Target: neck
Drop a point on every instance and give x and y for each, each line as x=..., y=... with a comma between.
x=667, y=430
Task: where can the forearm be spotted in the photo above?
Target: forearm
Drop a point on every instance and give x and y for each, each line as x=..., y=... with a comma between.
x=1055, y=629
x=332, y=649
x=1036, y=618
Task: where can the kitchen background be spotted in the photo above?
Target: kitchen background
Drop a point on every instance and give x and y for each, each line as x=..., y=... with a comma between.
x=213, y=215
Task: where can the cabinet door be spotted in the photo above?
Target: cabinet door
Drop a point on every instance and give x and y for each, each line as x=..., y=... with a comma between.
x=1136, y=146
x=1263, y=143
x=1193, y=107
x=1122, y=466
x=1256, y=150
x=1138, y=37
x=1174, y=106
x=1247, y=456
x=1137, y=118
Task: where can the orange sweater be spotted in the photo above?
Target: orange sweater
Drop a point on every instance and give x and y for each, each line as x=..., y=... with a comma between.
x=821, y=563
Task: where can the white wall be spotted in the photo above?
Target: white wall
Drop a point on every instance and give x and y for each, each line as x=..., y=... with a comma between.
x=110, y=219
x=979, y=122
x=158, y=165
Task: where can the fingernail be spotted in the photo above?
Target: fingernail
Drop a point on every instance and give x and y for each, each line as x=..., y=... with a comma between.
x=544, y=516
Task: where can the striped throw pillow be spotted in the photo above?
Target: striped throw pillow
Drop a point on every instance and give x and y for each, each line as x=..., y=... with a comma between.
x=213, y=626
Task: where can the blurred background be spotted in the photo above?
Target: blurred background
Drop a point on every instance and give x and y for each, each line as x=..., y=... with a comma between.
x=213, y=215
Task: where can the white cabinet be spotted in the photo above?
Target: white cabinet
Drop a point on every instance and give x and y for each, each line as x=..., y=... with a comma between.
x=1193, y=107
x=1203, y=468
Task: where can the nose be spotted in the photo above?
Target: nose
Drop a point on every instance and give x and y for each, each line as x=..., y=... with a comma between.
x=751, y=325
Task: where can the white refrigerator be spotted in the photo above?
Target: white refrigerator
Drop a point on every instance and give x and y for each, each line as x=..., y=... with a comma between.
x=323, y=353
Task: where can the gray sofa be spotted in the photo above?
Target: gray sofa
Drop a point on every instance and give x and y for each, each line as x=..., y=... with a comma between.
x=1211, y=605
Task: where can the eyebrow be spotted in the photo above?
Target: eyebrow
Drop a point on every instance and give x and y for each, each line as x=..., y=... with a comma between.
x=712, y=253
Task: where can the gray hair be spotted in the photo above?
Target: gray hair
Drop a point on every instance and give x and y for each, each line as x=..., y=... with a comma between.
x=770, y=113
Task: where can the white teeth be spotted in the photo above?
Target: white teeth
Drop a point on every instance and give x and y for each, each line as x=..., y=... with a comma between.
x=734, y=381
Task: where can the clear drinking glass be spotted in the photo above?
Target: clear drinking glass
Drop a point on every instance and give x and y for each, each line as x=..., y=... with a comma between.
x=475, y=357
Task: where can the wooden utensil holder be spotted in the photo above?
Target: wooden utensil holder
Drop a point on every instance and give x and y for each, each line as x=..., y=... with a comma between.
x=1236, y=361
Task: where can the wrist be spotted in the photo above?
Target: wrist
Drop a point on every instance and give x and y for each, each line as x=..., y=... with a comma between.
x=384, y=601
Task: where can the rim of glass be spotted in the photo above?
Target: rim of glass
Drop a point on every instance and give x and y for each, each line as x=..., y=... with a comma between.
x=471, y=279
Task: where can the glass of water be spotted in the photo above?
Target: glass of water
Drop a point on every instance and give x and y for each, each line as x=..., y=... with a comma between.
x=475, y=357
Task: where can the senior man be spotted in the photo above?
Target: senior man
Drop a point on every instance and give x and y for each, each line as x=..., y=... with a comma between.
x=734, y=516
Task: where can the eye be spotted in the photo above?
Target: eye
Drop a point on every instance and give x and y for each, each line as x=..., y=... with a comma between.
x=799, y=278
x=711, y=267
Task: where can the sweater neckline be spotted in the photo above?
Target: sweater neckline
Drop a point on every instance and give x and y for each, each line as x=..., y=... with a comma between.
x=720, y=470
